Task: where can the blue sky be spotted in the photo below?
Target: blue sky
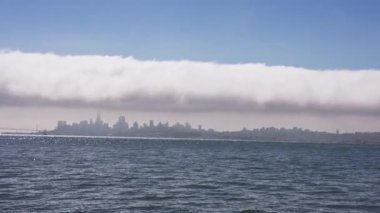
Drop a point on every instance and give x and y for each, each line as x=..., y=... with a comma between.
x=322, y=34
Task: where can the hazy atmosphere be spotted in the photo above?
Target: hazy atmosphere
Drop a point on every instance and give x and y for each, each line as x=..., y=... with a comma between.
x=216, y=63
x=182, y=88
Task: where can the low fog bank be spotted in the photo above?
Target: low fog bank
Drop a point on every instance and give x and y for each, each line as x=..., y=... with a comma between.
x=41, y=88
x=125, y=83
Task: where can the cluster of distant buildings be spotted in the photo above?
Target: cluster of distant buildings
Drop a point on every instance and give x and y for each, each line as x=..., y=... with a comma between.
x=121, y=128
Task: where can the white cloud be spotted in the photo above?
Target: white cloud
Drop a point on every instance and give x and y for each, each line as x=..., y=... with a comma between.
x=114, y=81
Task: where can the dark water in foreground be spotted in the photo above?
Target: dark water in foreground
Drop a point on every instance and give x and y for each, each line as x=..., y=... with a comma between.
x=130, y=175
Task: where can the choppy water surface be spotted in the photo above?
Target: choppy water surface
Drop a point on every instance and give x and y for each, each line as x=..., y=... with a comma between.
x=46, y=174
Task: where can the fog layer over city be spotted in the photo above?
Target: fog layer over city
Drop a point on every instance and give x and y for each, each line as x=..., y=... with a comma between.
x=125, y=82
x=110, y=83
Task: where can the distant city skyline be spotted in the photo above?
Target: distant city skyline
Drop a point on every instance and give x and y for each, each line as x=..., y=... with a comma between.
x=121, y=128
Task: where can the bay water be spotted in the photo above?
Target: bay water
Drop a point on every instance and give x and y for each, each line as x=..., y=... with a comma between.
x=79, y=174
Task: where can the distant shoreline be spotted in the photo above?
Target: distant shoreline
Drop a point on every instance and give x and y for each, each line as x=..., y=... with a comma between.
x=173, y=139
x=137, y=137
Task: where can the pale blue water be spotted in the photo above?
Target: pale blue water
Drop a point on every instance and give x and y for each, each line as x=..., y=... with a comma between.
x=42, y=174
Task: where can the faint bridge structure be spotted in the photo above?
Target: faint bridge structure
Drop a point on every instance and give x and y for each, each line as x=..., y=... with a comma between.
x=17, y=130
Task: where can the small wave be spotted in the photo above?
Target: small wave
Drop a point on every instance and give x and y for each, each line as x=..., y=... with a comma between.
x=357, y=207
x=252, y=211
x=199, y=186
